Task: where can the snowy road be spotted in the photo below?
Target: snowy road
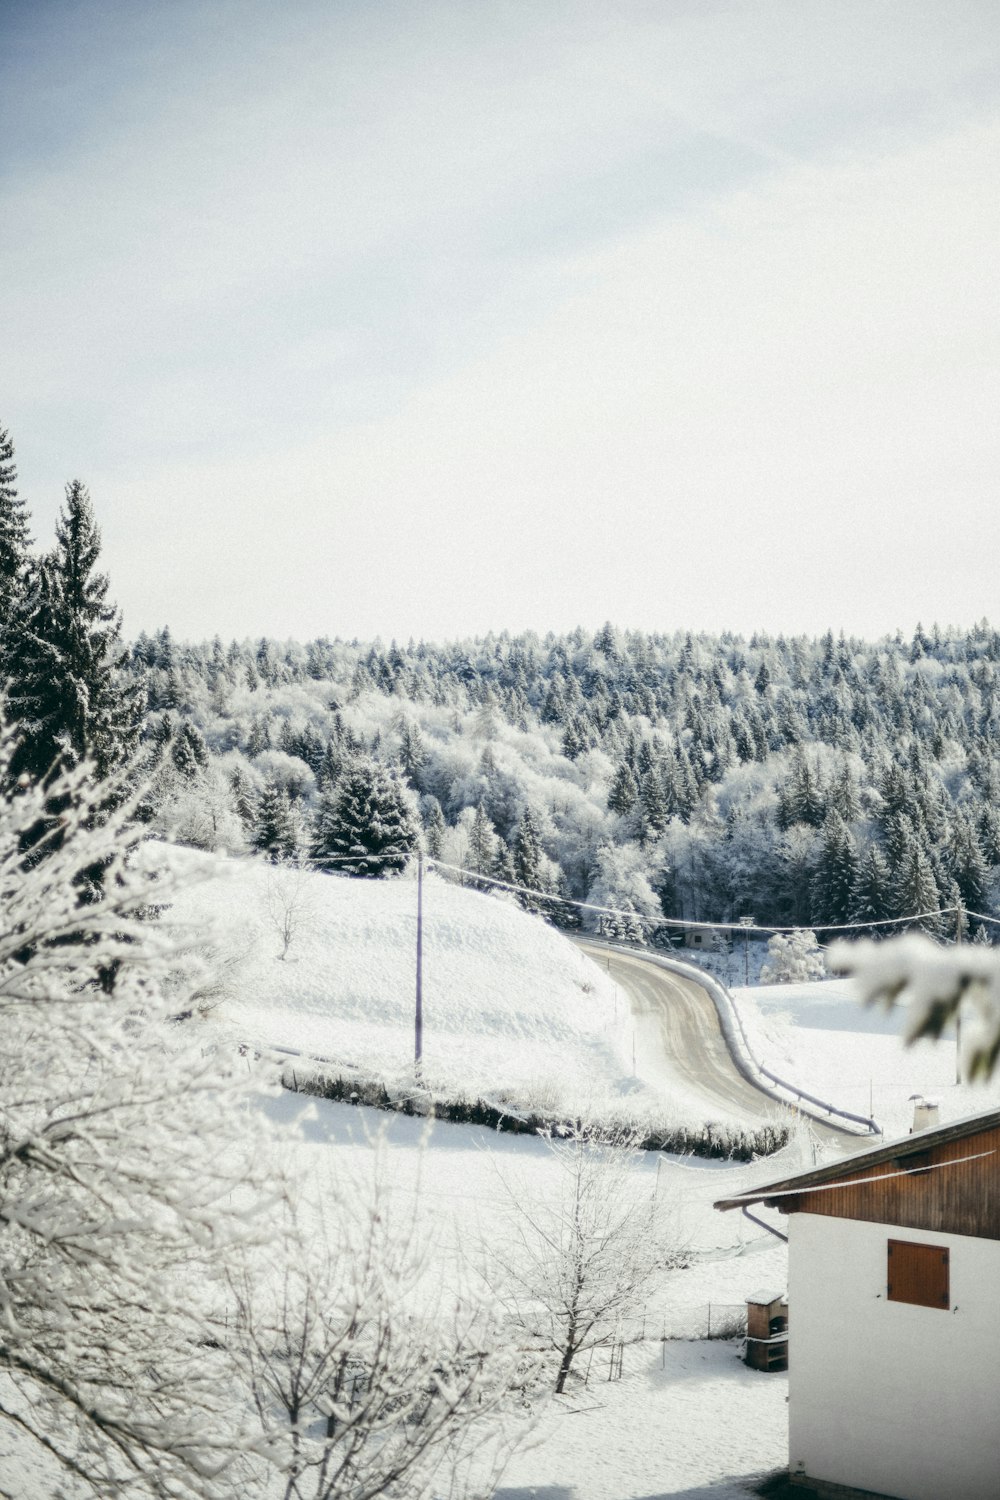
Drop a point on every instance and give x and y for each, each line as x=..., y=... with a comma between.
x=679, y=1042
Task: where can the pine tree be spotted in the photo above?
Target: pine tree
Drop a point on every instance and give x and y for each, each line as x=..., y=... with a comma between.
x=836, y=872
x=276, y=832
x=68, y=692
x=503, y=863
x=14, y=544
x=527, y=857
x=914, y=888
x=363, y=825
x=482, y=842
x=623, y=792
x=434, y=827
x=871, y=895
x=654, y=807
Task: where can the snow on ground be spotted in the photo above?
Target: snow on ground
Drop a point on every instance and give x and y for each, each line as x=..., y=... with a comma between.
x=512, y=1009
x=818, y=1035
x=508, y=1003
x=687, y=1417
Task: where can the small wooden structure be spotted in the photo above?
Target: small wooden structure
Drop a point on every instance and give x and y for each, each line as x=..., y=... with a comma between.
x=767, y=1331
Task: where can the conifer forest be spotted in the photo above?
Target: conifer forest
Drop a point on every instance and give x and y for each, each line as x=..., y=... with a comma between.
x=803, y=782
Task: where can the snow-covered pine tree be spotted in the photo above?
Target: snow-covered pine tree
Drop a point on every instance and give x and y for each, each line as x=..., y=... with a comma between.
x=482, y=842
x=14, y=544
x=836, y=872
x=69, y=693
x=623, y=792
x=871, y=894
x=277, y=832
x=364, y=825
x=527, y=857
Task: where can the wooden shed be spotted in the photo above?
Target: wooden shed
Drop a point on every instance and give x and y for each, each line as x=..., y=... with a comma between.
x=894, y=1294
x=767, y=1331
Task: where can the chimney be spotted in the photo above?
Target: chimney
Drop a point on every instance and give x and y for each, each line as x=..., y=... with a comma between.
x=925, y=1113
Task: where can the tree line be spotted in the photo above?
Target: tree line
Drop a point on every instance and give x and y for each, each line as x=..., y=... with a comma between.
x=804, y=781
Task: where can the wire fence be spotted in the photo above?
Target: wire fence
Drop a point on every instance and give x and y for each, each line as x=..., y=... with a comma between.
x=706, y=1320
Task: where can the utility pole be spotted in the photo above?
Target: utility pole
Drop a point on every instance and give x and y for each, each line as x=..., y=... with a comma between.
x=959, y=924
x=746, y=923
x=418, y=1023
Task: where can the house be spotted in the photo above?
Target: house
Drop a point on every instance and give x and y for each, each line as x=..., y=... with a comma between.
x=894, y=1316
x=708, y=939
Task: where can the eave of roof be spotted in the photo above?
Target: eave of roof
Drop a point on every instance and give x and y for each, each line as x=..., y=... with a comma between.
x=919, y=1142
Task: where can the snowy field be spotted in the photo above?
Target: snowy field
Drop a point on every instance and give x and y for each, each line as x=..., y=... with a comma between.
x=819, y=1036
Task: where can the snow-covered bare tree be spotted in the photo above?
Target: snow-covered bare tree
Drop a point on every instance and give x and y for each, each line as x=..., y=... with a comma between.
x=129, y=1176
x=580, y=1262
x=289, y=902
x=369, y=1376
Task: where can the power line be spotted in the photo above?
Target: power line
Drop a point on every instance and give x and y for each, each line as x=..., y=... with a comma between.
x=612, y=911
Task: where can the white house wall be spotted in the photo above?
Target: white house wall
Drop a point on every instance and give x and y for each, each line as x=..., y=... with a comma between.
x=885, y=1396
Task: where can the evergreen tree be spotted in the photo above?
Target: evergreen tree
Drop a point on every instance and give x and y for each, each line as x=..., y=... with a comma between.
x=503, y=863
x=14, y=544
x=965, y=861
x=836, y=872
x=482, y=842
x=914, y=888
x=623, y=792
x=276, y=832
x=364, y=825
x=189, y=752
x=434, y=827
x=654, y=806
x=69, y=693
x=871, y=895
x=527, y=859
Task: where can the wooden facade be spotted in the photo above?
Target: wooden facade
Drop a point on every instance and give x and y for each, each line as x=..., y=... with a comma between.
x=945, y=1179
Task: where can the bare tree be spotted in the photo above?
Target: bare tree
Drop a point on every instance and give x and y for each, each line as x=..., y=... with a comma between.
x=367, y=1376
x=581, y=1261
x=290, y=902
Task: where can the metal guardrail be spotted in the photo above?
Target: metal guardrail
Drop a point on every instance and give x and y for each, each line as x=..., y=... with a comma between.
x=746, y=1062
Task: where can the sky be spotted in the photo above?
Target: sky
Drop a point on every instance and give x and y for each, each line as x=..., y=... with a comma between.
x=434, y=318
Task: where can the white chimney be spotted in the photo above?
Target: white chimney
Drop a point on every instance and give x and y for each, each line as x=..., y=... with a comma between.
x=925, y=1113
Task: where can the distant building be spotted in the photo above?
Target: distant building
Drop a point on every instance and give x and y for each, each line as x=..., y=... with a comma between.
x=894, y=1316
x=708, y=939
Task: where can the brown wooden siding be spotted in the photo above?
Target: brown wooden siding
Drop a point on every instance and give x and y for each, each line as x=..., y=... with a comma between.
x=960, y=1199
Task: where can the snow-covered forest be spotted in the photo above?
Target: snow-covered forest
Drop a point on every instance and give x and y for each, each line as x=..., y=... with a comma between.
x=801, y=781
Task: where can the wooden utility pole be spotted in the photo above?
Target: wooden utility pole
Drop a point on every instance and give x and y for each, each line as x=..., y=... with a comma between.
x=418, y=1023
x=959, y=924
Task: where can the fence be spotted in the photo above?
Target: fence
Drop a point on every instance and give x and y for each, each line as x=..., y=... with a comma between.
x=706, y=1320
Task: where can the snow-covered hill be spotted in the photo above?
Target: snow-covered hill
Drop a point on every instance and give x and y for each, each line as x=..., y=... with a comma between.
x=511, y=1007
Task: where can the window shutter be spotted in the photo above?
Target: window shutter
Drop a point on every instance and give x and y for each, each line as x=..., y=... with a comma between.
x=918, y=1274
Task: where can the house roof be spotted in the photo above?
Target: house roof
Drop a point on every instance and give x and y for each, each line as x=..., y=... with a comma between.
x=892, y=1154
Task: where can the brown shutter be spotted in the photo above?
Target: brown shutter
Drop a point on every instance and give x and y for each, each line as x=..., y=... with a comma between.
x=918, y=1274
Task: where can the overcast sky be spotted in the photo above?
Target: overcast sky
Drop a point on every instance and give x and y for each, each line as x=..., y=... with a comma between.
x=434, y=318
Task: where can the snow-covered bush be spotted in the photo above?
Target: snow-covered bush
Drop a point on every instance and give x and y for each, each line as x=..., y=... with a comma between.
x=792, y=958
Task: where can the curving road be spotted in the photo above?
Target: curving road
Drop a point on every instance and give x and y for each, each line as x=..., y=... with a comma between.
x=679, y=1040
